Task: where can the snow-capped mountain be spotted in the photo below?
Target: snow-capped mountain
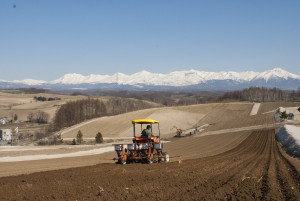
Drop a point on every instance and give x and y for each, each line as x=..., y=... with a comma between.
x=191, y=79
x=30, y=82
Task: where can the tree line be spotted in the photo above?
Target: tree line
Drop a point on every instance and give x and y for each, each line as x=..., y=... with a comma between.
x=34, y=90
x=117, y=105
x=165, y=98
x=74, y=112
x=261, y=94
x=42, y=98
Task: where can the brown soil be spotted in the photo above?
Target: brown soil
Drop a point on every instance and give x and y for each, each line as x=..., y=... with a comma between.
x=255, y=169
x=270, y=106
x=187, y=148
x=228, y=116
x=23, y=104
x=218, y=115
x=121, y=126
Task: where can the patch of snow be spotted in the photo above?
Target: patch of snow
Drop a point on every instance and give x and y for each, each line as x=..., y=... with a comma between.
x=289, y=138
x=255, y=109
x=271, y=111
x=79, y=88
x=38, y=148
x=54, y=156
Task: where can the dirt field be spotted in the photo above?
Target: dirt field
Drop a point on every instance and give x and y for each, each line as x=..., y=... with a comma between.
x=23, y=104
x=235, y=158
x=255, y=169
x=120, y=125
x=190, y=147
x=267, y=107
x=219, y=115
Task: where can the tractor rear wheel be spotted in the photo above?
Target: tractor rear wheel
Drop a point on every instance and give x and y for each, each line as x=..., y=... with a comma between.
x=166, y=157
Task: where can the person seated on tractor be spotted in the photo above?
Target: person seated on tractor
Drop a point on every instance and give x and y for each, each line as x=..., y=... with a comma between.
x=147, y=132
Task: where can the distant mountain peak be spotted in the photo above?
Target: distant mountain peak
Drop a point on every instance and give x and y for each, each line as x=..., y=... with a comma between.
x=277, y=73
x=30, y=82
x=173, y=79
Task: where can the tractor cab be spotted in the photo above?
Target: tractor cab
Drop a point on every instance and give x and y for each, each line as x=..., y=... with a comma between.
x=139, y=138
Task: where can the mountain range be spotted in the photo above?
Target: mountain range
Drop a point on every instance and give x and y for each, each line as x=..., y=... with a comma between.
x=178, y=80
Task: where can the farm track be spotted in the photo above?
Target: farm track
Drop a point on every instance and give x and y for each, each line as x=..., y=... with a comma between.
x=255, y=169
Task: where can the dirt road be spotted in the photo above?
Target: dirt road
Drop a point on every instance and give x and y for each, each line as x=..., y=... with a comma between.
x=255, y=169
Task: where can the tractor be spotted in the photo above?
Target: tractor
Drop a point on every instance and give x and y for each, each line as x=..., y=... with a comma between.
x=179, y=132
x=142, y=149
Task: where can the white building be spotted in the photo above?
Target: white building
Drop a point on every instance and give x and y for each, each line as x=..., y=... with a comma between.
x=5, y=134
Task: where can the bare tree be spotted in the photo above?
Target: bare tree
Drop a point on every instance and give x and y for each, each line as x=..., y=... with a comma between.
x=74, y=112
x=30, y=117
x=41, y=117
x=257, y=94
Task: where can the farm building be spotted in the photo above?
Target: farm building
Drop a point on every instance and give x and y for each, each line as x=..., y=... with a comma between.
x=5, y=134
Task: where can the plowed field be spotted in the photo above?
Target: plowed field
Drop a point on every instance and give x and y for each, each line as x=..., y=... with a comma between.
x=255, y=169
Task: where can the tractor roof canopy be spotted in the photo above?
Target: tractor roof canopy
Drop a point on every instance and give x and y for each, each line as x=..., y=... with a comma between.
x=144, y=121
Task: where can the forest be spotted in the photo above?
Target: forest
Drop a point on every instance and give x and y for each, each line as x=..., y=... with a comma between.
x=261, y=94
x=74, y=112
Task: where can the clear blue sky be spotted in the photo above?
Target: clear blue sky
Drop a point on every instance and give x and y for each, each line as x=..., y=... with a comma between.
x=45, y=39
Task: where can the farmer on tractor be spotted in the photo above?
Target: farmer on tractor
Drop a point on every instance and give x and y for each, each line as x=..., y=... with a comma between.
x=147, y=132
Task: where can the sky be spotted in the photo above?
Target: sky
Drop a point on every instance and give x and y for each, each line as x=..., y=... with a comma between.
x=46, y=39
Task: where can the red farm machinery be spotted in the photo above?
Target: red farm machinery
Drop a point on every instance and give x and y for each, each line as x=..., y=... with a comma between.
x=144, y=148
